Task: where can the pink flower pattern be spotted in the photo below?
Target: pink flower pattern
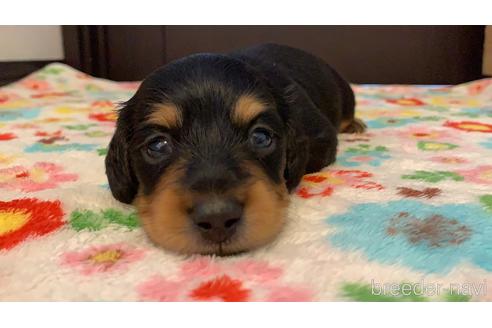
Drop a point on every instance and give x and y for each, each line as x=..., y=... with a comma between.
x=40, y=176
x=480, y=175
x=253, y=280
x=105, y=258
x=36, y=85
x=425, y=133
x=449, y=160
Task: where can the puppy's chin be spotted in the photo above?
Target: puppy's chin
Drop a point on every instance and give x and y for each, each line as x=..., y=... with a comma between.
x=164, y=216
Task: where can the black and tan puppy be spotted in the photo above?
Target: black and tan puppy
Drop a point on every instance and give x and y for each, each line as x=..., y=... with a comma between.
x=210, y=145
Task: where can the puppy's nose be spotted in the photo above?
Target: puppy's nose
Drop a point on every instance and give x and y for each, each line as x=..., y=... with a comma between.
x=217, y=219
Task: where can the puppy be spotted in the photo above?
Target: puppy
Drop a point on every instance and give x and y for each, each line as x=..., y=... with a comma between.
x=210, y=145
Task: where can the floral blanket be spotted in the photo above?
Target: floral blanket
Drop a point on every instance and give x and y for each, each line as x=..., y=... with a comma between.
x=404, y=215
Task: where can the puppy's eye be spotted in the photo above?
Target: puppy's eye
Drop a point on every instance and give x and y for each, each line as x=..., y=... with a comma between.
x=260, y=139
x=159, y=147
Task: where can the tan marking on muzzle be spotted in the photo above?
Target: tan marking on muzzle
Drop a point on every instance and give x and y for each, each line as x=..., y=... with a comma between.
x=165, y=213
x=265, y=205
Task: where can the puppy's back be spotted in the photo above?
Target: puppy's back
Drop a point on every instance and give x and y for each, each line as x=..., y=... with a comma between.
x=324, y=86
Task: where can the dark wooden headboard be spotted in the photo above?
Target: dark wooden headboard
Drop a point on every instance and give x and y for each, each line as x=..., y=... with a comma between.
x=363, y=54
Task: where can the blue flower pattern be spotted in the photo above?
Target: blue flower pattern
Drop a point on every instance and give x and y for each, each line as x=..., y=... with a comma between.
x=432, y=239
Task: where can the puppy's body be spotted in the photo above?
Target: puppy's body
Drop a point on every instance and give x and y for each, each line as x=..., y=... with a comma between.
x=322, y=100
x=324, y=89
x=210, y=145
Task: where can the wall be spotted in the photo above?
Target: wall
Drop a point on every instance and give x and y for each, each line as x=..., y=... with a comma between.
x=487, y=52
x=31, y=43
x=362, y=54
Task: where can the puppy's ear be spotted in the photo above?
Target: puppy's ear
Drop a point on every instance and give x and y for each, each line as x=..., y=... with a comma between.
x=121, y=177
x=311, y=137
x=297, y=154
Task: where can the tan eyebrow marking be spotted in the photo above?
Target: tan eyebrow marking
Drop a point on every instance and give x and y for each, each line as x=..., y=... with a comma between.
x=246, y=109
x=167, y=115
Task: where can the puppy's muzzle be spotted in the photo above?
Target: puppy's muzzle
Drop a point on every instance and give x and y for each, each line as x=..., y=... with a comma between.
x=217, y=218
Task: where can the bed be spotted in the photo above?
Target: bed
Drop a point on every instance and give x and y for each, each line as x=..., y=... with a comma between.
x=405, y=214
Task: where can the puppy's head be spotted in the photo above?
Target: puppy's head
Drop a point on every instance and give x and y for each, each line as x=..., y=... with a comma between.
x=202, y=151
